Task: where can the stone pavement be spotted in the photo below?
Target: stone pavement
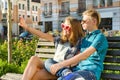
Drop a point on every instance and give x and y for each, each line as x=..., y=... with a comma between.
x=11, y=76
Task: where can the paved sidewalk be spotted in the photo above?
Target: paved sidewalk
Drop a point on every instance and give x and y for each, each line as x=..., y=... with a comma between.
x=11, y=76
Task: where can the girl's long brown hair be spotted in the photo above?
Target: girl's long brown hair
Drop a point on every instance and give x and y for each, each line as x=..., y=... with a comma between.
x=76, y=31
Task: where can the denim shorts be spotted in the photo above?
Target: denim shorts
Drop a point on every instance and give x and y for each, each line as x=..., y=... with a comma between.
x=48, y=63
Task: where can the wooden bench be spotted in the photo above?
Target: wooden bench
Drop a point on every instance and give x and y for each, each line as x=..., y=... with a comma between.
x=111, y=71
x=45, y=49
x=112, y=60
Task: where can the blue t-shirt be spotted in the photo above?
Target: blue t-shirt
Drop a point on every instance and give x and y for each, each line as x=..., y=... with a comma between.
x=94, y=63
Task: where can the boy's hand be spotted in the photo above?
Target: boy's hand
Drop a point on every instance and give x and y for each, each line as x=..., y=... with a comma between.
x=55, y=67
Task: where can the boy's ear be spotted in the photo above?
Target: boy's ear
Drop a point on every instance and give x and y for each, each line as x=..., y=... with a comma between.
x=94, y=21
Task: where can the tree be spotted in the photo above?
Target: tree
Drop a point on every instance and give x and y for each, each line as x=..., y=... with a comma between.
x=9, y=32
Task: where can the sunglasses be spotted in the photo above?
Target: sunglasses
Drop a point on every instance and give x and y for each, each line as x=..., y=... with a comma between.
x=83, y=21
x=65, y=27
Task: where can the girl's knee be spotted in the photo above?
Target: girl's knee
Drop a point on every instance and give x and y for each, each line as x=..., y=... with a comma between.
x=36, y=61
x=33, y=59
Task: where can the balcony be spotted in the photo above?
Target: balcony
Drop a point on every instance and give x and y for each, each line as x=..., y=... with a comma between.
x=80, y=11
x=47, y=14
x=64, y=13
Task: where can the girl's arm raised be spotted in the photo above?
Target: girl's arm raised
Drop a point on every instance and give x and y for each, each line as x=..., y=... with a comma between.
x=34, y=31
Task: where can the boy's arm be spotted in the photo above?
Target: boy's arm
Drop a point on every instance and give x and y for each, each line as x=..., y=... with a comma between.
x=74, y=60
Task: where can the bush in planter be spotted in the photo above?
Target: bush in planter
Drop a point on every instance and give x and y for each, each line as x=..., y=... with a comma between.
x=5, y=68
x=21, y=50
x=23, y=65
x=21, y=53
x=3, y=50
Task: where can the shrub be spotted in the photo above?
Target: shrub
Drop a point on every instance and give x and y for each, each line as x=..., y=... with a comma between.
x=5, y=67
x=21, y=53
x=23, y=65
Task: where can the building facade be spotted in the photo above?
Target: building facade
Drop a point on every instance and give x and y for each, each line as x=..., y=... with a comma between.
x=109, y=11
x=28, y=9
x=47, y=15
x=53, y=12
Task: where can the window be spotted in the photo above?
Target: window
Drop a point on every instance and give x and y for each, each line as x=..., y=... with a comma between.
x=33, y=8
x=102, y=3
x=28, y=5
x=19, y=15
x=36, y=8
x=36, y=1
x=19, y=6
x=65, y=8
x=50, y=8
x=45, y=8
x=23, y=16
x=28, y=16
x=95, y=3
x=109, y=2
x=40, y=23
x=106, y=23
x=33, y=18
x=81, y=6
x=23, y=6
x=36, y=18
x=5, y=5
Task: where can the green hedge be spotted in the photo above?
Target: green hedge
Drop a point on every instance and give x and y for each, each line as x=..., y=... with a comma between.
x=21, y=53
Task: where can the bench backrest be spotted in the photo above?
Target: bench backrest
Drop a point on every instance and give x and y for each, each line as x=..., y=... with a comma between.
x=112, y=60
x=46, y=49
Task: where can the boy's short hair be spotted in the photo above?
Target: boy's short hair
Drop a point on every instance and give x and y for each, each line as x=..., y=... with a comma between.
x=94, y=14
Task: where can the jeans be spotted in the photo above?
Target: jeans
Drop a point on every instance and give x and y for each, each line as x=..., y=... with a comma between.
x=87, y=75
x=79, y=75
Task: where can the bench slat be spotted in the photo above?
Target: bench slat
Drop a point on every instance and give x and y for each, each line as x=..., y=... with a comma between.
x=110, y=76
x=114, y=45
x=113, y=52
x=45, y=50
x=112, y=60
x=45, y=44
x=43, y=40
x=111, y=67
x=45, y=55
x=113, y=39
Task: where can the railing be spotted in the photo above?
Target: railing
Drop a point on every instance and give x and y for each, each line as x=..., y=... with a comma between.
x=79, y=11
x=47, y=14
x=64, y=13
